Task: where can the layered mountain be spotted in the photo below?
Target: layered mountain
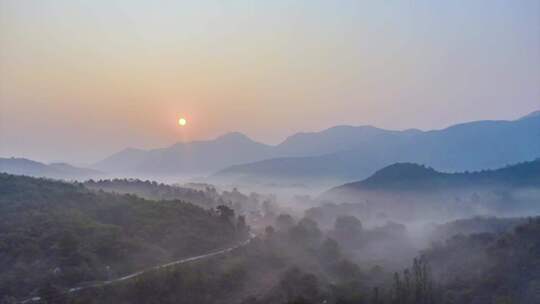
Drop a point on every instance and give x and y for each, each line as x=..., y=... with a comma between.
x=414, y=177
x=407, y=188
x=339, y=138
x=352, y=153
x=187, y=158
x=341, y=153
x=23, y=166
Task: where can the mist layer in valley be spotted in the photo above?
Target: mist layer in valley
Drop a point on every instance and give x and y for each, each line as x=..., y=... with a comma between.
x=407, y=233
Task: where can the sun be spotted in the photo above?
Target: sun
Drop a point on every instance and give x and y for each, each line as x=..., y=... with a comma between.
x=182, y=122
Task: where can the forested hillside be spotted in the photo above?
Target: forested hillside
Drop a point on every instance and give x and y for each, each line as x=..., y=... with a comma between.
x=489, y=268
x=65, y=234
x=203, y=195
x=298, y=263
x=152, y=190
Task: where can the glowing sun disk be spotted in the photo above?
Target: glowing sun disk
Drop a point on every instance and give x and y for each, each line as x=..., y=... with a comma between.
x=182, y=122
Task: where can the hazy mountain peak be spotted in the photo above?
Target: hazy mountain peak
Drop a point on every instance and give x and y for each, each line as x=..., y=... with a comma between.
x=132, y=150
x=410, y=176
x=532, y=115
x=23, y=166
x=412, y=131
x=404, y=171
x=346, y=152
x=234, y=136
x=329, y=131
x=61, y=165
x=350, y=153
x=334, y=139
x=199, y=157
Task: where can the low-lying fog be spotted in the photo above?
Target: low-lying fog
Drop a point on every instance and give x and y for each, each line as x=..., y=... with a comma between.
x=375, y=228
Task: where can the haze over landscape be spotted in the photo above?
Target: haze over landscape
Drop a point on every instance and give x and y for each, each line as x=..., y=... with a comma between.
x=283, y=152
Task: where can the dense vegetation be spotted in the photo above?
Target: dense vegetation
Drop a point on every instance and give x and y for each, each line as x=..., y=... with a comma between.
x=56, y=235
x=203, y=195
x=489, y=268
x=475, y=225
x=206, y=198
x=65, y=234
x=299, y=263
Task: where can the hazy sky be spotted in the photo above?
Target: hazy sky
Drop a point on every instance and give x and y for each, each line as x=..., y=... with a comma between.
x=82, y=79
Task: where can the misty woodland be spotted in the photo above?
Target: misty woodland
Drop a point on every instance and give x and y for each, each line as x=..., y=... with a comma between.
x=269, y=152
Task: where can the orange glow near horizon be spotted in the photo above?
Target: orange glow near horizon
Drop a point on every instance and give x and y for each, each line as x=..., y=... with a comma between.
x=89, y=79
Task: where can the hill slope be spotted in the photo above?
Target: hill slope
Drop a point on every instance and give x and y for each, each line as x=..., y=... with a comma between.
x=207, y=198
x=66, y=234
x=410, y=188
x=414, y=177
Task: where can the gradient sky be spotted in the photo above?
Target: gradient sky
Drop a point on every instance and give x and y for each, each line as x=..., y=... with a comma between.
x=80, y=80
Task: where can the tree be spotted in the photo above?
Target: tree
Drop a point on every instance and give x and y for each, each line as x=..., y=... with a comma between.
x=284, y=222
x=376, y=298
x=347, y=228
x=398, y=290
x=226, y=213
x=307, y=232
x=423, y=287
x=241, y=226
x=268, y=207
x=269, y=232
x=348, y=272
x=330, y=251
x=348, y=223
x=296, y=284
x=68, y=244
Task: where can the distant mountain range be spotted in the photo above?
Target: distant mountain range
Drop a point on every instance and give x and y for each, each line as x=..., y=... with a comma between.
x=23, y=166
x=187, y=158
x=335, y=155
x=352, y=153
x=406, y=188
